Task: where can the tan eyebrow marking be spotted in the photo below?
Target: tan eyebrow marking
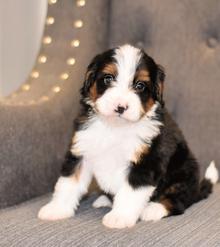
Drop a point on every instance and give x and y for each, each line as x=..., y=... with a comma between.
x=110, y=69
x=142, y=75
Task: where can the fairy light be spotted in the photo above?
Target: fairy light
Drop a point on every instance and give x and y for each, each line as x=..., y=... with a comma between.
x=71, y=61
x=26, y=87
x=80, y=3
x=50, y=20
x=42, y=59
x=78, y=23
x=47, y=40
x=44, y=98
x=64, y=76
x=75, y=43
x=52, y=1
x=56, y=89
x=35, y=74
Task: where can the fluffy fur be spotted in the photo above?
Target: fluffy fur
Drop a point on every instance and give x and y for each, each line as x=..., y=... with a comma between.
x=127, y=140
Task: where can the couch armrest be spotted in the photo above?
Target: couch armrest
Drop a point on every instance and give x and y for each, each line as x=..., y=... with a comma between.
x=36, y=125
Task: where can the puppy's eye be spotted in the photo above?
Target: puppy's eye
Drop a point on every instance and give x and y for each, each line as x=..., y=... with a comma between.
x=107, y=79
x=139, y=86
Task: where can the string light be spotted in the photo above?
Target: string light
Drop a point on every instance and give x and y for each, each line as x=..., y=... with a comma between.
x=75, y=43
x=52, y=1
x=78, y=23
x=56, y=89
x=35, y=74
x=80, y=3
x=26, y=87
x=47, y=40
x=64, y=76
x=42, y=59
x=50, y=20
x=44, y=98
x=71, y=61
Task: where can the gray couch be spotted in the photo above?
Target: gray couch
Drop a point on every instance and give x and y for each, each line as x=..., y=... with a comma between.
x=36, y=125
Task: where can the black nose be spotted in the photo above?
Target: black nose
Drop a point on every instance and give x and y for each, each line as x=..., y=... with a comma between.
x=120, y=109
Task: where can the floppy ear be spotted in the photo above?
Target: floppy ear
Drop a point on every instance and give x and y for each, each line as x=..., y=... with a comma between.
x=90, y=76
x=160, y=84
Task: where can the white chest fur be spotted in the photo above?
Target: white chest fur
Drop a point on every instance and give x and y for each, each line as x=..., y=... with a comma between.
x=108, y=148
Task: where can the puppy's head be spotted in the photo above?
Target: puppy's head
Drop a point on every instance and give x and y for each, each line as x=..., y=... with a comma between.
x=123, y=82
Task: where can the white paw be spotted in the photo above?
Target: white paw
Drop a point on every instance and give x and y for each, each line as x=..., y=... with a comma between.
x=116, y=220
x=54, y=211
x=102, y=201
x=153, y=212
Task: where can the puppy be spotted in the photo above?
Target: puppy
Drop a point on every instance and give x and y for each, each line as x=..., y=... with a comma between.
x=127, y=140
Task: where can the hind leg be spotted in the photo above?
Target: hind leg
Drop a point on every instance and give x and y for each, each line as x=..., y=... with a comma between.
x=102, y=201
x=154, y=211
x=172, y=201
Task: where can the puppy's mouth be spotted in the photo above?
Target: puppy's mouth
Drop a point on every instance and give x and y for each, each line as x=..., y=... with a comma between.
x=120, y=117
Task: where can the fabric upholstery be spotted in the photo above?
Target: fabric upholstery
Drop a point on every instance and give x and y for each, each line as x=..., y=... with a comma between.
x=35, y=137
x=184, y=37
x=199, y=226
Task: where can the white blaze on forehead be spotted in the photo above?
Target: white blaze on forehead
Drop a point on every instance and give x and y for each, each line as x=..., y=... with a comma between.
x=127, y=59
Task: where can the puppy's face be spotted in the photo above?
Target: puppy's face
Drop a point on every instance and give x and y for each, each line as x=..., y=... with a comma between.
x=124, y=83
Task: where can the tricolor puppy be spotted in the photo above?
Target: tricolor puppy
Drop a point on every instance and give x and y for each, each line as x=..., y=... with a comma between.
x=127, y=140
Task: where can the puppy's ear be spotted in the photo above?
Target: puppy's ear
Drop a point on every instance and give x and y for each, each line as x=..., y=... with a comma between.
x=160, y=84
x=90, y=76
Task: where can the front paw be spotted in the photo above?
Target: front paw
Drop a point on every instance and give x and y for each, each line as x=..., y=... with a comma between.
x=54, y=211
x=117, y=220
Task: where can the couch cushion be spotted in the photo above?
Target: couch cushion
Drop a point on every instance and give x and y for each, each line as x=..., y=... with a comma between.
x=199, y=226
x=184, y=37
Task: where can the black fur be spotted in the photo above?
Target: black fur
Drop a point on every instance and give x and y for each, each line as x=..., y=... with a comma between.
x=172, y=168
x=157, y=77
x=169, y=165
x=70, y=164
x=97, y=64
x=205, y=189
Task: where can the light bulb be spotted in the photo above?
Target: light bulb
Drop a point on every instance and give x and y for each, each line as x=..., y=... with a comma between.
x=56, y=89
x=71, y=61
x=42, y=59
x=35, y=74
x=52, y=1
x=78, y=23
x=50, y=20
x=75, y=43
x=47, y=40
x=26, y=87
x=64, y=76
x=80, y=3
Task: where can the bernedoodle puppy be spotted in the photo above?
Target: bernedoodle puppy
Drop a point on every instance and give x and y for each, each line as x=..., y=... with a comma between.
x=127, y=140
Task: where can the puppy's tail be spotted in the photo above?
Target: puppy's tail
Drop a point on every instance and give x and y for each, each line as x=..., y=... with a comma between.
x=211, y=178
